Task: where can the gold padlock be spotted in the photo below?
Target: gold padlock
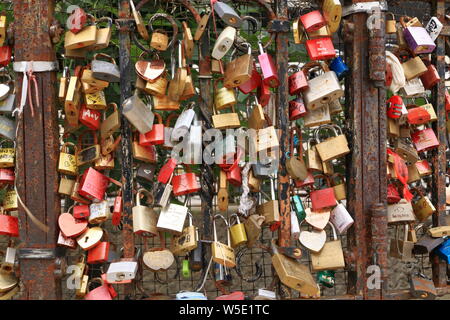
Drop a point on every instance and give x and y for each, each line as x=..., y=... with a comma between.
x=413, y=173
x=2, y=30
x=187, y=241
x=63, y=84
x=224, y=97
x=188, y=40
x=103, y=35
x=163, y=103
x=313, y=161
x=391, y=24
x=85, y=38
x=66, y=186
x=239, y=70
x=111, y=123
x=160, y=39
x=10, y=201
x=423, y=208
x=269, y=209
x=222, y=194
x=144, y=218
x=72, y=102
x=339, y=187
x=68, y=162
x=237, y=231
x=222, y=253
x=334, y=147
x=253, y=183
x=393, y=128
x=225, y=120
x=7, y=155
x=88, y=78
x=96, y=101
x=158, y=87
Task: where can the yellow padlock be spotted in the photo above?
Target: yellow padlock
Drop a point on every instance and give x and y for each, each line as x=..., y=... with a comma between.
x=237, y=231
x=68, y=162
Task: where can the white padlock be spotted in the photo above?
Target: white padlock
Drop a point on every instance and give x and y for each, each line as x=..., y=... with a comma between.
x=121, y=271
x=434, y=28
x=341, y=218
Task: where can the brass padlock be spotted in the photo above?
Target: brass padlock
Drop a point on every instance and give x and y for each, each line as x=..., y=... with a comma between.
x=339, y=187
x=72, y=102
x=334, y=147
x=10, y=201
x=222, y=253
x=188, y=40
x=423, y=208
x=66, y=186
x=253, y=228
x=68, y=162
x=269, y=209
x=187, y=241
x=103, y=35
x=313, y=161
x=222, y=194
x=239, y=70
x=237, y=231
x=96, y=101
x=85, y=38
x=224, y=97
x=160, y=39
x=63, y=85
x=406, y=151
x=317, y=117
x=111, y=123
x=158, y=87
x=391, y=24
x=225, y=120
x=144, y=218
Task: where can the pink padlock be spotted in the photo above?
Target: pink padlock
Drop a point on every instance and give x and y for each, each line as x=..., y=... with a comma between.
x=269, y=72
x=313, y=21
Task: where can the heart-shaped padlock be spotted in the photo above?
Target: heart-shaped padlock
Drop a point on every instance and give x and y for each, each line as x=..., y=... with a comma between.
x=90, y=238
x=317, y=219
x=71, y=227
x=150, y=70
x=313, y=240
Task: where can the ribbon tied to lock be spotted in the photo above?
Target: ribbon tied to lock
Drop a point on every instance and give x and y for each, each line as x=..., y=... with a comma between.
x=401, y=170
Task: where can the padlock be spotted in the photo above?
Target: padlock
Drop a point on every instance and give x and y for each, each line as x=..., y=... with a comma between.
x=164, y=103
x=234, y=176
x=8, y=105
x=202, y=25
x=196, y=257
x=66, y=242
x=9, y=225
x=223, y=43
x=268, y=69
x=3, y=29
x=5, y=87
x=85, y=38
x=266, y=139
x=401, y=249
x=295, y=165
x=239, y=70
x=222, y=276
x=434, y=28
x=417, y=38
x=297, y=31
x=67, y=161
x=406, y=151
x=138, y=114
x=155, y=136
x=144, y=218
x=413, y=173
x=424, y=168
x=313, y=240
x=105, y=162
x=74, y=195
x=224, y=121
x=187, y=241
x=160, y=39
x=297, y=80
x=322, y=89
x=317, y=117
x=185, y=183
x=99, y=212
x=163, y=193
x=88, y=154
x=412, y=88
x=320, y=48
x=77, y=20
x=237, y=231
x=400, y=212
x=142, y=153
x=269, y=209
x=96, y=100
x=394, y=107
x=412, y=65
x=5, y=55
x=188, y=40
x=93, y=184
x=171, y=218
x=341, y=218
x=264, y=94
x=7, y=176
x=429, y=108
x=392, y=194
x=224, y=98
x=422, y=287
x=339, y=67
x=105, y=70
x=253, y=83
x=145, y=172
x=334, y=147
x=121, y=271
x=431, y=77
x=103, y=36
x=222, y=194
x=7, y=155
x=158, y=258
x=99, y=253
x=297, y=109
x=417, y=115
x=222, y=253
x=423, y=208
x=424, y=139
x=63, y=84
x=179, y=76
x=391, y=24
x=331, y=257
x=90, y=238
x=322, y=198
x=72, y=101
x=297, y=206
x=90, y=118
x=312, y=21
x=158, y=87
x=393, y=128
x=111, y=123
x=141, y=27
x=81, y=212
x=227, y=14
x=99, y=293
x=339, y=187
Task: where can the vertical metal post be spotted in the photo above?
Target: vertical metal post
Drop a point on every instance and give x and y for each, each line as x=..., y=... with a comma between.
x=37, y=153
x=127, y=158
x=366, y=165
x=282, y=58
x=439, y=161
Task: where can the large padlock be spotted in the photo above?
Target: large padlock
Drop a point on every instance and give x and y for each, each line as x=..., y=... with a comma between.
x=331, y=257
x=266, y=139
x=85, y=38
x=224, y=97
x=334, y=147
x=268, y=68
x=227, y=14
x=417, y=38
x=155, y=136
x=105, y=70
x=322, y=89
x=185, y=183
x=394, y=107
x=237, y=231
x=417, y=115
x=93, y=184
x=424, y=139
x=222, y=253
x=160, y=38
x=412, y=65
x=239, y=70
x=67, y=161
x=144, y=218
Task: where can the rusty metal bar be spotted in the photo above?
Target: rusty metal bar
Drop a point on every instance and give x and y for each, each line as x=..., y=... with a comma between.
x=282, y=58
x=37, y=150
x=439, y=160
x=380, y=248
x=127, y=158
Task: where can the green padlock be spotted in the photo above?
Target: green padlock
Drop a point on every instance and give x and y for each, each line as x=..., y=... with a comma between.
x=186, y=271
x=326, y=278
x=297, y=205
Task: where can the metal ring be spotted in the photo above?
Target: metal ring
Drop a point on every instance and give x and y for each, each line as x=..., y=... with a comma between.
x=258, y=265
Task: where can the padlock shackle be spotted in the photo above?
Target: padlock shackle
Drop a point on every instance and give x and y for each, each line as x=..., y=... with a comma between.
x=106, y=56
x=335, y=237
x=170, y=117
x=403, y=22
x=171, y=21
x=113, y=105
x=159, y=117
x=107, y=19
x=236, y=216
x=64, y=148
x=338, y=175
x=138, y=194
x=325, y=126
x=313, y=64
x=324, y=177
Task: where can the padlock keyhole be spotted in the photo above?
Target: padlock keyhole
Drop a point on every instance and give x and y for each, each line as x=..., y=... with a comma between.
x=86, y=239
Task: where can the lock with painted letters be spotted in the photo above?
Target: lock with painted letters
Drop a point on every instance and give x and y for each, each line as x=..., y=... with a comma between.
x=95, y=100
x=297, y=109
x=268, y=69
x=320, y=48
x=187, y=241
x=322, y=89
x=99, y=212
x=237, y=231
x=417, y=38
x=171, y=218
x=224, y=43
x=222, y=253
x=333, y=147
x=144, y=218
x=90, y=118
x=424, y=139
x=67, y=161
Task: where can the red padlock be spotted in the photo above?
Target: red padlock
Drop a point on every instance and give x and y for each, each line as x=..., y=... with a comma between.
x=431, y=77
x=167, y=170
x=77, y=20
x=297, y=109
x=392, y=194
x=424, y=139
x=297, y=82
x=447, y=101
x=263, y=94
x=237, y=295
x=305, y=183
x=117, y=209
x=9, y=225
x=81, y=212
x=99, y=253
x=394, y=107
x=100, y=293
x=185, y=183
x=90, y=118
x=251, y=84
x=320, y=48
x=322, y=198
x=417, y=115
x=234, y=173
x=155, y=136
x=7, y=175
x=312, y=21
x=424, y=168
x=93, y=184
x=269, y=71
x=5, y=55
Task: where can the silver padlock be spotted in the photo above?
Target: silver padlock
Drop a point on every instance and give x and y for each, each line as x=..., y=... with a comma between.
x=7, y=106
x=227, y=14
x=183, y=123
x=121, y=271
x=10, y=258
x=7, y=128
x=138, y=113
x=99, y=212
x=163, y=193
x=104, y=70
x=171, y=218
x=224, y=43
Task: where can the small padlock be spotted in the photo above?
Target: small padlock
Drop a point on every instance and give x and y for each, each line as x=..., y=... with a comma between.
x=268, y=69
x=237, y=231
x=144, y=218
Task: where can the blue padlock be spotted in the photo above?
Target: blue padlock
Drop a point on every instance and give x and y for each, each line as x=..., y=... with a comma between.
x=339, y=67
x=190, y=296
x=443, y=251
